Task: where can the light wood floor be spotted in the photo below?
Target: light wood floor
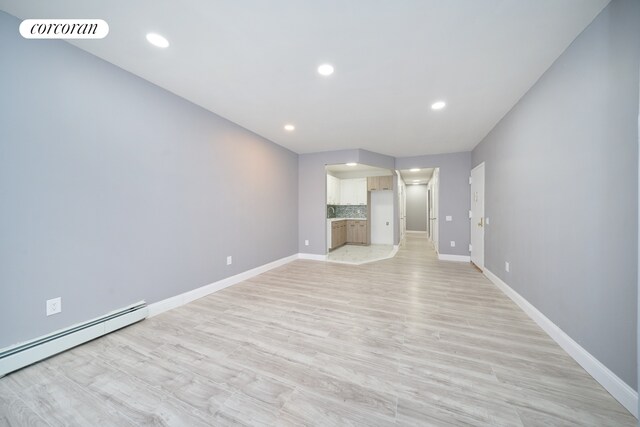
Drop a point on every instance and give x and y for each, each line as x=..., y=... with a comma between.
x=405, y=341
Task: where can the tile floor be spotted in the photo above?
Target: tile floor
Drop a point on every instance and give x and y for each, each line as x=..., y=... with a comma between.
x=355, y=254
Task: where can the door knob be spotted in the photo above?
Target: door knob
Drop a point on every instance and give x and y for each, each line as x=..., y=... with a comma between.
x=481, y=223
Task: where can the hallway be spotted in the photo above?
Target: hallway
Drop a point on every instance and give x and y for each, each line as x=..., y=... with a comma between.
x=405, y=341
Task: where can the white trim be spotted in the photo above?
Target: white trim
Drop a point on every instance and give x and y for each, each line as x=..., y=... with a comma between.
x=620, y=390
x=477, y=166
x=186, y=297
x=459, y=258
x=415, y=232
x=313, y=257
x=56, y=342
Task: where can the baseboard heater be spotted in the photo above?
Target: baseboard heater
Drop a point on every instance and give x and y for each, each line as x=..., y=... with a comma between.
x=27, y=353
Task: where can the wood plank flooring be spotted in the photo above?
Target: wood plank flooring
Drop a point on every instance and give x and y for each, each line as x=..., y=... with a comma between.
x=405, y=341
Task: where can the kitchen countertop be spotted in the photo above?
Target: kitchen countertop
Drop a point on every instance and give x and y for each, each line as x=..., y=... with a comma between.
x=347, y=219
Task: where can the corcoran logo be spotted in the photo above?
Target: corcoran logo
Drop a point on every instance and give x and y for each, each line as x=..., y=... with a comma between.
x=64, y=29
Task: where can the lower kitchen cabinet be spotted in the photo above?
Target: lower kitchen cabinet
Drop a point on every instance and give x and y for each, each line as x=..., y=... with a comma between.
x=338, y=233
x=349, y=232
x=357, y=232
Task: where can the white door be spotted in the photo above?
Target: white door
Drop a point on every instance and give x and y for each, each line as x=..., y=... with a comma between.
x=402, y=203
x=381, y=217
x=477, y=216
x=434, y=186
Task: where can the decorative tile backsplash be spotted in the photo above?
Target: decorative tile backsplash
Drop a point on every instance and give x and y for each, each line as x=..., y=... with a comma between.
x=347, y=211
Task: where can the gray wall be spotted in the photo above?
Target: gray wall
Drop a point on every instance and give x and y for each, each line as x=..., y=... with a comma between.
x=454, y=196
x=562, y=190
x=416, y=196
x=114, y=190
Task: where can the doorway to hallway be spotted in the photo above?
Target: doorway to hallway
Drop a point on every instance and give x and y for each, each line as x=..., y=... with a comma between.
x=421, y=202
x=477, y=216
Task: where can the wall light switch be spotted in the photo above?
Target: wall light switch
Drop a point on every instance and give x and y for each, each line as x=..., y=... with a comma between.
x=453, y=244
x=486, y=220
x=306, y=243
x=54, y=306
x=229, y=260
x=506, y=266
x=449, y=218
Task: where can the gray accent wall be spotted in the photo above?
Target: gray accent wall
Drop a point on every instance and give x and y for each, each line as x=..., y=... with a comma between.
x=454, y=194
x=416, y=213
x=114, y=190
x=562, y=190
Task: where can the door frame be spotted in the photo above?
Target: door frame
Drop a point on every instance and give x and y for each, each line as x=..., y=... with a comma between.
x=477, y=216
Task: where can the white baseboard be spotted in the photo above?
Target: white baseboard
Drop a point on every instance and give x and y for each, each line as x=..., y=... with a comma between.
x=459, y=258
x=620, y=390
x=26, y=353
x=415, y=232
x=313, y=257
x=185, y=298
x=395, y=250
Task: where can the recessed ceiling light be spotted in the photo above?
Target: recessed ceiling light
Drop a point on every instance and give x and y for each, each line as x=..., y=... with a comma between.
x=325, y=69
x=416, y=180
x=157, y=40
x=289, y=127
x=351, y=164
x=438, y=105
x=415, y=170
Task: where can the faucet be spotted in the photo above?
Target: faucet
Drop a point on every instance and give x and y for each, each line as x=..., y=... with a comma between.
x=332, y=209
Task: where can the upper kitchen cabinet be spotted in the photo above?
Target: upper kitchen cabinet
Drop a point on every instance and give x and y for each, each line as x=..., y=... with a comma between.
x=375, y=183
x=333, y=190
x=353, y=191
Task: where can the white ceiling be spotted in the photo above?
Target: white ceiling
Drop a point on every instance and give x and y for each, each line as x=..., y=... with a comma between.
x=254, y=62
x=423, y=175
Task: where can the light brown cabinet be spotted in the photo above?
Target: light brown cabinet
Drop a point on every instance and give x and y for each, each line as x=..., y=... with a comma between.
x=349, y=231
x=372, y=183
x=357, y=232
x=375, y=183
x=338, y=233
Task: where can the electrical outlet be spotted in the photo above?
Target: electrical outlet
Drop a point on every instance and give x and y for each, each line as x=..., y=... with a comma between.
x=54, y=306
x=506, y=266
x=448, y=218
x=453, y=244
x=306, y=243
x=229, y=260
